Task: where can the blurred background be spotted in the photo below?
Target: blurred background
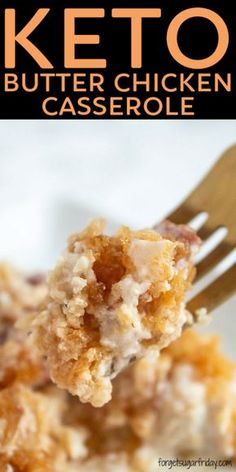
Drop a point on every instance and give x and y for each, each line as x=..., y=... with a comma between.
x=56, y=175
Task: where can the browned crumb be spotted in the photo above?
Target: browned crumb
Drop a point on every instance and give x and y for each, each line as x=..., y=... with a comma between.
x=20, y=362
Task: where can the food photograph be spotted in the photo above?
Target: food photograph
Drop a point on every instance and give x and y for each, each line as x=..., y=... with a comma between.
x=117, y=296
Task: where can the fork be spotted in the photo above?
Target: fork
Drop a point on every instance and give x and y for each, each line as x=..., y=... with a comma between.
x=216, y=197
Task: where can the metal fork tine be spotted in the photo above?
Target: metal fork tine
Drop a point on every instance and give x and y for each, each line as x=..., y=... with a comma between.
x=205, y=232
x=216, y=293
x=215, y=195
x=182, y=215
x=212, y=259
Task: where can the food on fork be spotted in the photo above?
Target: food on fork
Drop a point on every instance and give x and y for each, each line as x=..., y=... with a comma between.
x=112, y=299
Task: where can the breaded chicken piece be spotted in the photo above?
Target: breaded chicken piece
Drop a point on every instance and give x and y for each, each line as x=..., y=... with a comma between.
x=111, y=300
